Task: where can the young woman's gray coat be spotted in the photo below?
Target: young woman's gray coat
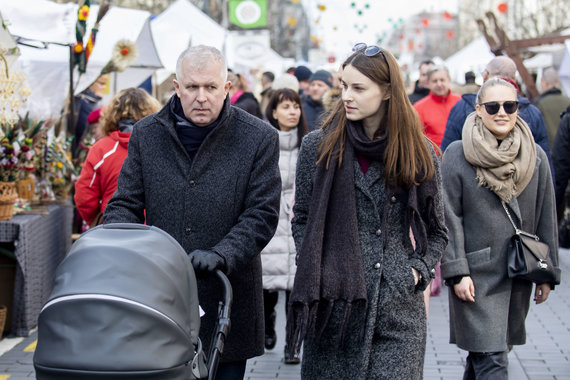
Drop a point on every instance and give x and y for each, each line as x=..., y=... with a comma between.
x=225, y=200
x=393, y=344
x=479, y=241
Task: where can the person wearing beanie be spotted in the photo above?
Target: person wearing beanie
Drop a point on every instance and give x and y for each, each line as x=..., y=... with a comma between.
x=303, y=75
x=321, y=82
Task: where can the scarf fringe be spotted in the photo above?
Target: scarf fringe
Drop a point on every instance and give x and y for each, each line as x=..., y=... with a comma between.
x=301, y=321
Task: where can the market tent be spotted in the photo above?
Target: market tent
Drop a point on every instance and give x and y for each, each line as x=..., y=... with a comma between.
x=473, y=57
x=183, y=24
x=564, y=71
x=51, y=26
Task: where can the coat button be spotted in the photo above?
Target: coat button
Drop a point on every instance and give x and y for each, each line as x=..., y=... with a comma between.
x=188, y=230
x=378, y=232
x=393, y=199
x=377, y=266
x=192, y=182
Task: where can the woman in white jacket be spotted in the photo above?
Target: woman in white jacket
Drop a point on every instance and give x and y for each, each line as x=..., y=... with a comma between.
x=284, y=112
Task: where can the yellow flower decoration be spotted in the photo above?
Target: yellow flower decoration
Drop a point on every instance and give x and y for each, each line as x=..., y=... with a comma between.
x=83, y=13
x=292, y=22
x=59, y=165
x=322, y=7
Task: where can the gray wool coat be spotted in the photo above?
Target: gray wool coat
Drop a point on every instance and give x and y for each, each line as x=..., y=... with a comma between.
x=225, y=200
x=479, y=240
x=393, y=344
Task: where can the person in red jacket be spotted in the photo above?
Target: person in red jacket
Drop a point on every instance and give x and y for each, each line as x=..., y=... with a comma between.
x=434, y=108
x=98, y=179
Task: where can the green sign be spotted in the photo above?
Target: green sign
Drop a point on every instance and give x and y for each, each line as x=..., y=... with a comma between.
x=248, y=14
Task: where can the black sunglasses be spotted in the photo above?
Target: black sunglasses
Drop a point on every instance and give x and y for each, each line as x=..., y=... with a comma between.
x=492, y=108
x=369, y=51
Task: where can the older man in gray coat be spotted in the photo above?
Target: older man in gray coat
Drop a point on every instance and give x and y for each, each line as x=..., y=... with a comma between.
x=207, y=173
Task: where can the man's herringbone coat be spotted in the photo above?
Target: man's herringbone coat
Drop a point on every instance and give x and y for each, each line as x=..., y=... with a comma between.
x=225, y=200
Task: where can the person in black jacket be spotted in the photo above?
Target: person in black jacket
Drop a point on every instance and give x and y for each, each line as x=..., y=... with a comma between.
x=561, y=162
x=421, y=89
x=207, y=173
x=241, y=97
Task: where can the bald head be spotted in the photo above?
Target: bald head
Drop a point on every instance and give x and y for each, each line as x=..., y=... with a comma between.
x=549, y=79
x=501, y=67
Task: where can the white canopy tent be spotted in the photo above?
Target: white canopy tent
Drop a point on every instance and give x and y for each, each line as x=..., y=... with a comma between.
x=564, y=71
x=51, y=26
x=473, y=57
x=182, y=25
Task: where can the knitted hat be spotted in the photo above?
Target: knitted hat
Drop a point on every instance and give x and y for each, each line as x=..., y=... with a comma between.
x=286, y=81
x=302, y=73
x=94, y=116
x=324, y=76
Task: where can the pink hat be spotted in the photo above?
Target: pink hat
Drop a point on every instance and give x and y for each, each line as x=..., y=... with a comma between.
x=94, y=116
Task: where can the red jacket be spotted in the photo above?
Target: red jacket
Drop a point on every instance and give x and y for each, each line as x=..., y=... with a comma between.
x=433, y=111
x=98, y=179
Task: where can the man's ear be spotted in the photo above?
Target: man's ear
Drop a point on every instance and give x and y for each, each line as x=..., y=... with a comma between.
x=227, y=86
x=176, y=87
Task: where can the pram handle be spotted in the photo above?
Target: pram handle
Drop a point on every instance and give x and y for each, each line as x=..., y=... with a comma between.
x=222, y=325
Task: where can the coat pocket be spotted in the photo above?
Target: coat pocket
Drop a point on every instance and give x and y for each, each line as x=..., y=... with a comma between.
x=479, y=257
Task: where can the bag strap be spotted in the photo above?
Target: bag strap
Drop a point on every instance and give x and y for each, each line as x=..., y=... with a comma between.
x=517, y=230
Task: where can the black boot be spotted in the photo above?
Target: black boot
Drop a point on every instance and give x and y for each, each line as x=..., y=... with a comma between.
x=291, y=358
x=270, y=335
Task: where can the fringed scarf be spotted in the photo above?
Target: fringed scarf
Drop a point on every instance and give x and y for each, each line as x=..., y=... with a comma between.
x=330, y=266
x=505, y=168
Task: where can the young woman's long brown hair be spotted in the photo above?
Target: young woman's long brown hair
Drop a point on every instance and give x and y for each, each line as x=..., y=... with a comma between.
x=407, y=159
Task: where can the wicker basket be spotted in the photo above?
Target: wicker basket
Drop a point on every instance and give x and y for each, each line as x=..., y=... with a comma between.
x=8, y=195
x=3, y=315
x=25, y=188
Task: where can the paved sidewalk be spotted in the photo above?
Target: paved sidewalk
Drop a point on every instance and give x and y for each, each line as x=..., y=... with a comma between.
x=546, y=356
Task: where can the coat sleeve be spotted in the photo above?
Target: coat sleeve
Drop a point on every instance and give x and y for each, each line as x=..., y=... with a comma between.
x=561, y=162
x=546, y=211
x=306, y=165
x=454, y=125
x=127, y=204
x=88, y=192
x=437, y=235
x=454, y=262
x=258, y=221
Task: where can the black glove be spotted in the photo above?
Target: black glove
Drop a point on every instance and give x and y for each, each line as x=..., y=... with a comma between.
x=206, y=261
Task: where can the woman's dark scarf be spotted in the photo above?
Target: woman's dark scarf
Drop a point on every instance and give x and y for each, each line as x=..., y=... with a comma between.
x=330, y=266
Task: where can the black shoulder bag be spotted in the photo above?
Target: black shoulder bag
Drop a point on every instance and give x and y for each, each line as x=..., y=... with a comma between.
x=529, y=258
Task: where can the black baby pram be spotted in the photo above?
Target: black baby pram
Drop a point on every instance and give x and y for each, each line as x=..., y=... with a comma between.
x=125, y=305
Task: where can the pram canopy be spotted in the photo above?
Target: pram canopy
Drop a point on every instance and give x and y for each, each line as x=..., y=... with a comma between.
x=124, y=304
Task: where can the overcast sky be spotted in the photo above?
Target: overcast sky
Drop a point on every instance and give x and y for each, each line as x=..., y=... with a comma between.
x=340, y=26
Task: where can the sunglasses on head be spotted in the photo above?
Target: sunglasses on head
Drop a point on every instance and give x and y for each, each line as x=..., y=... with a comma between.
x=369, y=51
x=509, y=106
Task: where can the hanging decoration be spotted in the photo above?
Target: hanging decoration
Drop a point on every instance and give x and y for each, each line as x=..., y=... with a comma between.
x=103, y=9
x=80, y=29
x=425, y=22
x=447, y=15
x=124, y=54
x=321, y=7
x=292, y=22
x=503, y=8
x=450, y=34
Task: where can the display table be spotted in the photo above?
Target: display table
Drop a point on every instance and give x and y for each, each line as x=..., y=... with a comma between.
x=40, y=243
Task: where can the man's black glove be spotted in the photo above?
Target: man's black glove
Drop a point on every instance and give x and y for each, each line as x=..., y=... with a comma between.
x=206, y=261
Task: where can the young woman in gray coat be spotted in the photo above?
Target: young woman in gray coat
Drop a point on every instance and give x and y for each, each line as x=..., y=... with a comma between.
x=496, y=160
x=369, y=230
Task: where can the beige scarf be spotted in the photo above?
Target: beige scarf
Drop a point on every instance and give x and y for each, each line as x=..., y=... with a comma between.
x=504, y=169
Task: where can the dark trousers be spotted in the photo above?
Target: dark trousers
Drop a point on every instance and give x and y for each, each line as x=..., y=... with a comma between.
x=231, y=371
x=270, y=298
x=487, y=366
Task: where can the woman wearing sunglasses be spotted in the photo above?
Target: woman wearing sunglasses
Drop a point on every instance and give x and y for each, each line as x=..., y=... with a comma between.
x=369, y=230
x=496, y=161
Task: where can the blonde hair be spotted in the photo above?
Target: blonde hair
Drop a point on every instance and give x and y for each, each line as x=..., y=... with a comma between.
x=131, y=103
